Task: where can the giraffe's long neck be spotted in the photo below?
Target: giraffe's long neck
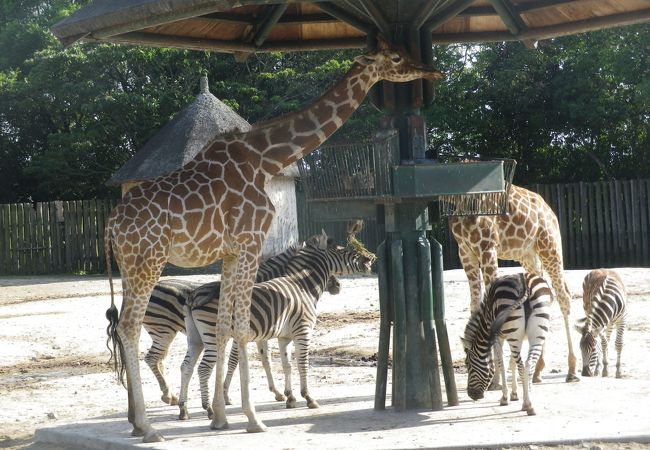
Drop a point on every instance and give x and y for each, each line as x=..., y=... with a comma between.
x=292, y=136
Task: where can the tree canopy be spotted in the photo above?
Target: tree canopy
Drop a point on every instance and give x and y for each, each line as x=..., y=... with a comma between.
x=574, y=109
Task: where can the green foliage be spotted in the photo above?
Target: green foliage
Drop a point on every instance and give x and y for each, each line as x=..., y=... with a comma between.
x=576, y=108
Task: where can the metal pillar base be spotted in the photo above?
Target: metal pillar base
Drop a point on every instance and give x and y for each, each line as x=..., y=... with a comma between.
x=412, y=303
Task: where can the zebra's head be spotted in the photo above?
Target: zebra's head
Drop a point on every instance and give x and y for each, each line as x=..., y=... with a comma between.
x=478, y=358
x=590, y=348
x=341, y=260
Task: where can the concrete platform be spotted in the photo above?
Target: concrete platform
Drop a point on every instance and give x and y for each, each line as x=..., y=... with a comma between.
x=593, y=410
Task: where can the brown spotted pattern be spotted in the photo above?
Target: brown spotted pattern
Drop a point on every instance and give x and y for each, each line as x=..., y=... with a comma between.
x=528, y=234
x=215, y=207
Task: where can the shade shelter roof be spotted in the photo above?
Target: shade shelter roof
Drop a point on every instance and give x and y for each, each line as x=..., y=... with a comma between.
x=281, y=25
x=182, y=138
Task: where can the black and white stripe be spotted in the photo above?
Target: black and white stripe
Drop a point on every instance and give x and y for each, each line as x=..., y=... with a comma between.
x=515, y=307
x=283, y=308
x=605, y=303
x=165, y=315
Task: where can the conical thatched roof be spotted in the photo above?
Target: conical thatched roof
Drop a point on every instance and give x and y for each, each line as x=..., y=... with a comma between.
x=181, y=139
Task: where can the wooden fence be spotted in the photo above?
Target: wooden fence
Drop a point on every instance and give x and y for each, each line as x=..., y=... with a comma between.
x=54, y=237
x=604, y=224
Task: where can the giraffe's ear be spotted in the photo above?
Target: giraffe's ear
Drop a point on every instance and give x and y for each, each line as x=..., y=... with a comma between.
x=364, y=60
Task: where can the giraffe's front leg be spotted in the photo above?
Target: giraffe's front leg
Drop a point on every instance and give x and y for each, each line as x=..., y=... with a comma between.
x=219, y=420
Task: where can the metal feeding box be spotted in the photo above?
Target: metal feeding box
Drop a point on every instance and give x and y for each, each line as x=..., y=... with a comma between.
x=347, y=181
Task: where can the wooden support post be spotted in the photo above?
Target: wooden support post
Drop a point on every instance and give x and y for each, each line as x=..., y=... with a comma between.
x=384, y=327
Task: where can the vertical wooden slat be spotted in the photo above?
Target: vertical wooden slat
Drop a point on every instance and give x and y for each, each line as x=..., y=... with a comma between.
x=594, y=257
x=578, y=225
x=636, y=221
x=644, y=198
x=600, y=235
x=616, y=228
x=3, y=241
x=630, y=215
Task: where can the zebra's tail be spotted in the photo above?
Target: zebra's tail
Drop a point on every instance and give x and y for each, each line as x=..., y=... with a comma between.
x=113, y=342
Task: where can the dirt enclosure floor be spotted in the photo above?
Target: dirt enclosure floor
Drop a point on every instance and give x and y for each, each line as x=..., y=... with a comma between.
x=57, y=392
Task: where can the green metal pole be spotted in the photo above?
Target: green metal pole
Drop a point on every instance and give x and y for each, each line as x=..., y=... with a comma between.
x=399, y=335
x=426, y=303
x=441, y=325
x=384, y=327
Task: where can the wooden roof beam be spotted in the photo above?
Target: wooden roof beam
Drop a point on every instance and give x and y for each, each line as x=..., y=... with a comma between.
x=548, y=32
x=512, y=19
x=215, y=45
x=376, y=15
x=423, y=15
x=268, y=22
x=446, y=15
x=341, y=14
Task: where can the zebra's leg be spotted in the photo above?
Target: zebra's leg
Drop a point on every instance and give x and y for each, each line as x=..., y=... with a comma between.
x=154, y=359
x=302, y=355
x=498, y=352
x=233, y=359
x=194, y=349
x=285, y=356
x=535, y=350
x=620, y=329
x=205, y=370
x=263, y=349
x=604, y=343
x=512, y=365
x=533, y=264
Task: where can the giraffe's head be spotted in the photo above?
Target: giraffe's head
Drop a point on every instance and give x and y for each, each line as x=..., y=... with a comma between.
x=392, y=64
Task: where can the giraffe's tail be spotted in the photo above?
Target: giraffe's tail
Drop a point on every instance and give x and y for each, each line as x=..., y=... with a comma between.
x=113, y=342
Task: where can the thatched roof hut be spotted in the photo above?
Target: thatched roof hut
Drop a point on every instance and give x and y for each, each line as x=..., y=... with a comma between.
x=181, y=139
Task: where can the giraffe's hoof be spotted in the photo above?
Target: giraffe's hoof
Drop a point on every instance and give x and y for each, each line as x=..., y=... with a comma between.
x=531, y=412
x=137, y=432
x=216, y=425
x=537, y=379
x=153, y=436
x=313, y=404
x=514, y=397
x=571, y=378
x=183, y=416
x=258, y=427
x=503, y=402
x=279, y=397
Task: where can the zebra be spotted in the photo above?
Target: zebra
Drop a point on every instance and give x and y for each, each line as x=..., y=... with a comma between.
x=604, y=301
x=165, y=314
x=515, y=307
x=283, y=308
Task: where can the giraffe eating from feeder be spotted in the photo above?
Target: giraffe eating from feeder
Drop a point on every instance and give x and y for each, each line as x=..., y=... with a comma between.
x=215, y=207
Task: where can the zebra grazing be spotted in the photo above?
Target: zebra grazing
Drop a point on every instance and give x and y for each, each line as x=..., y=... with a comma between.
x=165, y=314
x=515, y=307
x=604, y=302
x=283, y=308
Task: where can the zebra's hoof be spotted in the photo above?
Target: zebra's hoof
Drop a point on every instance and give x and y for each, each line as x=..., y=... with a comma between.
x=571, y=378
x=313, y=404
x=537, y=379
x=210, y=413
x=258, y=427
x=531, y=412
x=503, y=402
x=514, y=397
x=279, y=397
x=183, y=416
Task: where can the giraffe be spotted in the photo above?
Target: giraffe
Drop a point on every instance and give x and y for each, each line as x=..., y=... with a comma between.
x=529, y=234
x=215, y=207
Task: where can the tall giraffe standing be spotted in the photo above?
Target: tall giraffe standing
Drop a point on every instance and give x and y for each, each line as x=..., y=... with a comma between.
x=529, y=234
x=215, y=207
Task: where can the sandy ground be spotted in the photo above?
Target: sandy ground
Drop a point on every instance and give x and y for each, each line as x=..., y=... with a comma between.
x=53, y=372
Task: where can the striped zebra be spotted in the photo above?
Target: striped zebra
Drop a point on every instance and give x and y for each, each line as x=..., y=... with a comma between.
x=283, y=308
x=165, y=314
x=515, y=307
x=604, y=301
